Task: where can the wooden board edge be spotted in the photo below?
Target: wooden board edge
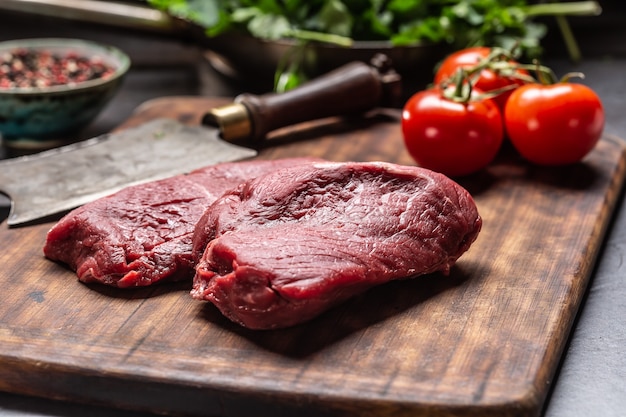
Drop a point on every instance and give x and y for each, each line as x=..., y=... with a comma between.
x=615, y=192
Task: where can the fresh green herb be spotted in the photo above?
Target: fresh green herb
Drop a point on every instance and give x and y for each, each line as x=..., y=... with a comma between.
x=460, y=23
x=457, y=23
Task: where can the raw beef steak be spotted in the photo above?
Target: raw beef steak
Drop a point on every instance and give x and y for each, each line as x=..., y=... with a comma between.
x=286, y=246
x=143, y=234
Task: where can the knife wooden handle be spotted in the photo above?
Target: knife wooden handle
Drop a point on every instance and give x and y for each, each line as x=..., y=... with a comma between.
x=351, y=89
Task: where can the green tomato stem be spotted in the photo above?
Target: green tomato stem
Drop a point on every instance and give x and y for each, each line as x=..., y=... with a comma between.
x=567, y=77
x=545, y=75
x=462, y=91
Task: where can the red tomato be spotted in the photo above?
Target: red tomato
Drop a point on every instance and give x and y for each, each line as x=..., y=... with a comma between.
x=450, y=137
x=555, y=124
x=488, y=80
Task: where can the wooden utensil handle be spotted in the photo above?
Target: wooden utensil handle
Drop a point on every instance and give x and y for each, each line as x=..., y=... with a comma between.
x=351, y=89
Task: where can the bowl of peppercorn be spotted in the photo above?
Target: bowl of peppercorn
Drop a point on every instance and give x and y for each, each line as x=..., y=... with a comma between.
x=51, y=88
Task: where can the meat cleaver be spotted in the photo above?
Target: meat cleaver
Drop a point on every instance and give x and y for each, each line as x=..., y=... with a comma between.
x=58, y=180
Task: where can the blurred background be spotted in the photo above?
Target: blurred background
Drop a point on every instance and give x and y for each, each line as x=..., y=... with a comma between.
x=170, y=60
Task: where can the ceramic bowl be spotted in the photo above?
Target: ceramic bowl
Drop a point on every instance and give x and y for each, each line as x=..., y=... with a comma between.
x=246, y=58
x=44, y=117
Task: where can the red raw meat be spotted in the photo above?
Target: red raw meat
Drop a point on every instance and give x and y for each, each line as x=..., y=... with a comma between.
x=143, y=234
x=286, y=246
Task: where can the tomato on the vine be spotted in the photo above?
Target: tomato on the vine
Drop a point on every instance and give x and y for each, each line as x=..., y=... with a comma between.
x=555, y=124
x=488, y=79
x=451, y=137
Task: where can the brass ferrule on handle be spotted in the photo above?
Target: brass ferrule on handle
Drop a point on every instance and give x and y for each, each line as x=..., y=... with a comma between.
x=233, y=121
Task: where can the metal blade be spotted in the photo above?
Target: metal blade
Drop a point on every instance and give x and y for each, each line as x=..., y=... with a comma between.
x=64, y=178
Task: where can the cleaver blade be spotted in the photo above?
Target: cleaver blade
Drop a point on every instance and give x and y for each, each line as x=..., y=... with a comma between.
x=64, y=178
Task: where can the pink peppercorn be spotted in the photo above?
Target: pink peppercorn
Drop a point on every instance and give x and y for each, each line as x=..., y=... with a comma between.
x=26, y=68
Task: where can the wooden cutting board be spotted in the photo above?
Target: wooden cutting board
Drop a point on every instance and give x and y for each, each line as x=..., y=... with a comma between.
x=484, y=341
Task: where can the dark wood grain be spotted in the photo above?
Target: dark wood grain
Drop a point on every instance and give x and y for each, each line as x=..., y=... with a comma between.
x=484, y=341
